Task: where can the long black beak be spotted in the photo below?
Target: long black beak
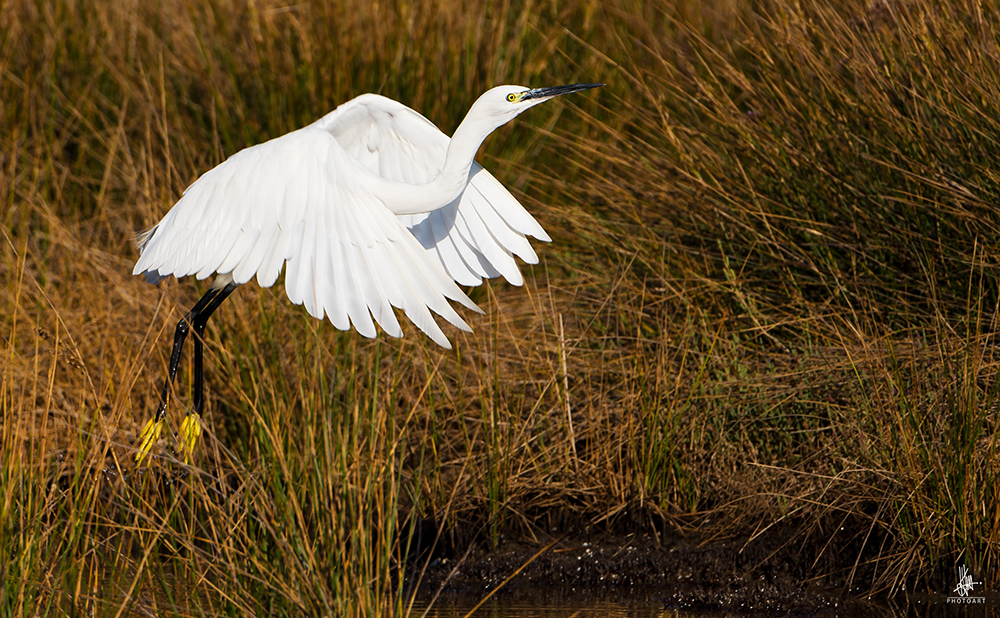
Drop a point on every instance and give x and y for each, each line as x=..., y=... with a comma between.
x=546, y=93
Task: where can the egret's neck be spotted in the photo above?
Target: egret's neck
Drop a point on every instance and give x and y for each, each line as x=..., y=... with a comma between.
x=408, y=199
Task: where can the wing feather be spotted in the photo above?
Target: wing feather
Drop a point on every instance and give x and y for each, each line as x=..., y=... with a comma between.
x=397, y=143
x=292, y=267
x=382, y=312
x=367, y=297
x=414, y=306
x=506, y=205
x=505, y=235
x=243, y=244
x=300, y=200
x=383, y=262
x=271, y=266
x=449, y=255
x=495, y=253
x=254, y=258
x=310, y=284
x=338, y=296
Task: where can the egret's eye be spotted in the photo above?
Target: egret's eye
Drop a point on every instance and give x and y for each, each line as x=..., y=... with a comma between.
x=512, y=97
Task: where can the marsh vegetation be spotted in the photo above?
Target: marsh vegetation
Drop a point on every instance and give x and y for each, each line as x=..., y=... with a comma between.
x=771, y=299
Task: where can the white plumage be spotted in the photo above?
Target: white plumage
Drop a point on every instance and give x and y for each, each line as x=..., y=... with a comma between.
x=361, y=206
x=370, y=207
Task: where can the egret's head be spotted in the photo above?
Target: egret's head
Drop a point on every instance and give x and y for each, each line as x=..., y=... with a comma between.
x=503, y=103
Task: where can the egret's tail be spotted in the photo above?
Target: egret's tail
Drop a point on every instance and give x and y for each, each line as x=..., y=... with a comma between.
x=142, y=238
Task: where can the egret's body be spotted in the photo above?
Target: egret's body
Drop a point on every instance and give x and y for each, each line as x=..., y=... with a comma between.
x=370, y=207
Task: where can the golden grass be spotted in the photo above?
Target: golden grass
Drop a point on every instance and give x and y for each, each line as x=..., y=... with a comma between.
x=770, y=299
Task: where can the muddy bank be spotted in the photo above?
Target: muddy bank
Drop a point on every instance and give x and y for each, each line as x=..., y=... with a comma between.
x=768, y=574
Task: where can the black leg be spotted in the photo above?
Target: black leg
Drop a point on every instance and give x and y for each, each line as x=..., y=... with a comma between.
x=197, y=318
x=180, y=334
x=199, y=322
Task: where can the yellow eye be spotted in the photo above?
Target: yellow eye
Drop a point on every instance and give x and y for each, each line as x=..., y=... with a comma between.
x=512, y=97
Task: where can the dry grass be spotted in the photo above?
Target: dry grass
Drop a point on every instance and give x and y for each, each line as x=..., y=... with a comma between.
x=771, y=298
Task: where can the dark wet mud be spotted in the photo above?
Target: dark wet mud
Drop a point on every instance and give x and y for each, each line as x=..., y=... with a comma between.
x=766, y=575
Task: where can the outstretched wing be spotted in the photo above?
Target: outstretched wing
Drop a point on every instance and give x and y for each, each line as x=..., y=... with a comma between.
x=301, y=199
x=474, y=237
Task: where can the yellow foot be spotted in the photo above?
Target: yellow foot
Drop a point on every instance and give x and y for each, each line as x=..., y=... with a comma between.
x=147, y=438
x=190, y=431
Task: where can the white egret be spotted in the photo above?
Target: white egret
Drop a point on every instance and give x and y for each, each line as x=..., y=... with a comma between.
x=370, y=207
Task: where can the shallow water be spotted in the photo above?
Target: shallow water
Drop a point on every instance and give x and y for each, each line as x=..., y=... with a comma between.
x=923, y=606
x=500, y=609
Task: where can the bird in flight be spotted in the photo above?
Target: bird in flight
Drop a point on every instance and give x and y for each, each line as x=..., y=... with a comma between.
x=370, y=207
